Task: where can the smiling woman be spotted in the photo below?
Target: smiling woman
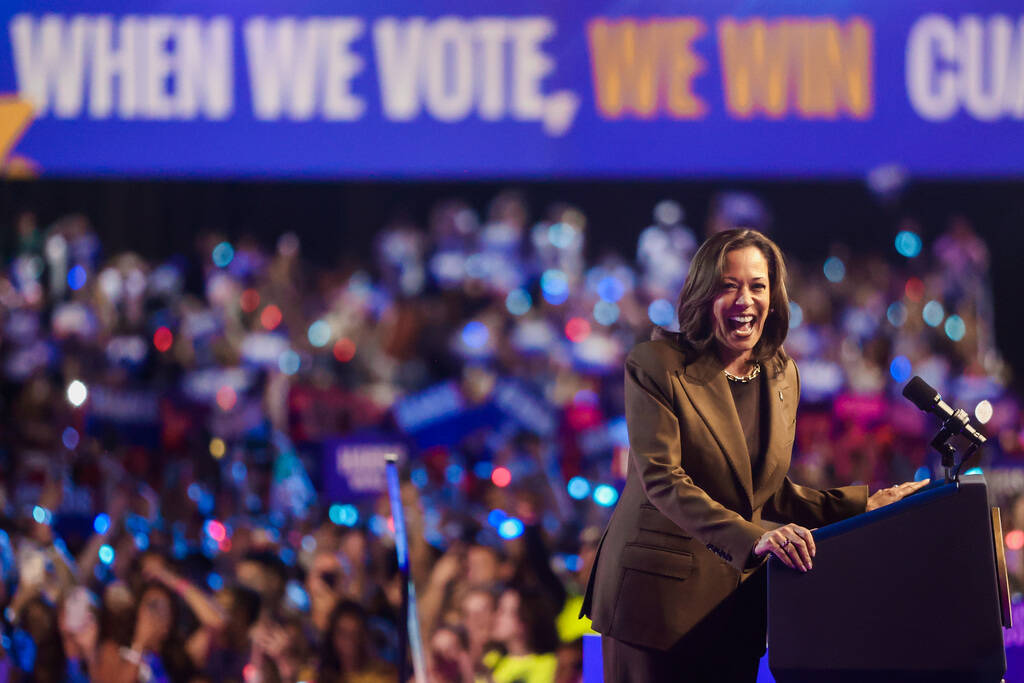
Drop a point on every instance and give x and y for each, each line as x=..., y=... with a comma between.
x=677, y=588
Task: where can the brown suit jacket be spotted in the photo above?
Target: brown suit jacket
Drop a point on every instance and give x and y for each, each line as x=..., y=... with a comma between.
x=681, y=537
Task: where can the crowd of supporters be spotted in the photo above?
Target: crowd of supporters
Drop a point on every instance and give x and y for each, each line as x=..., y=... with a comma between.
x=173, y=501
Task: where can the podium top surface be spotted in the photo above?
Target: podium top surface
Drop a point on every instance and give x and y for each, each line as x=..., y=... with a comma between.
x=937, y=489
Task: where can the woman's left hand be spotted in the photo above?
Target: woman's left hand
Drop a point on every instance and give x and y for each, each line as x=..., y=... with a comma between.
x=883, y=497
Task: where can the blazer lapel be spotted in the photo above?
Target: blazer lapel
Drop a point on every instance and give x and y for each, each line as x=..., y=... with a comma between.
x=708, y=389
x=780, y=403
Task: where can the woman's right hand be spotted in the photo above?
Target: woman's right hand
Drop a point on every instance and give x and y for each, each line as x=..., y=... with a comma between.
x=792, y=544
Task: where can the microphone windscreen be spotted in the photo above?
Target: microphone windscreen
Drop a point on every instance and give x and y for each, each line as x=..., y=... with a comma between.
x=920, y=392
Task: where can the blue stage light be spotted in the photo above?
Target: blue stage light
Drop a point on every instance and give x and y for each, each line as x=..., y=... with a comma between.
x=834, y=269
x=475, y=334
x=605, y=495
x=900, y=368
x=106, y=554
x=223, y=253
x=319, y=333
x=76, y=278
x=606, y=312
x=955, y=327
x=496, y=517
x=922, y=473
x=510, y=528
x=483, y=469
x=454, y=473
x=610, y=289
x=289, y=362
x=796, y=315
x=555, y=286
x=661, y=312
x=518, y=302
x=579, y=488
x=101, y=523
x=896, y=313
x=933, y=313
x=908, y=243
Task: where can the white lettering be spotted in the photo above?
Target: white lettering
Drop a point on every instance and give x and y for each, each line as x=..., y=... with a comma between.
x=49, y=59
x=398, y=46
x=976, y=63
x=931, y=85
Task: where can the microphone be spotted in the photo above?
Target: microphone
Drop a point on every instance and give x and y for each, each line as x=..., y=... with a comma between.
x=927, y=399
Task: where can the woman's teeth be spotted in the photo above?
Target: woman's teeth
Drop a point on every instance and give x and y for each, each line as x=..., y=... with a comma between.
x=742, y=323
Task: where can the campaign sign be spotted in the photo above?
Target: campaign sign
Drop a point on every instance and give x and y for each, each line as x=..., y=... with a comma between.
x=354, y=467
x=457, y=89
x=440, y=416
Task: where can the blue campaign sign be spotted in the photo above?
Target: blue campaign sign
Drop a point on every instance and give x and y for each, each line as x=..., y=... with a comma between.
x=354, y=466
x=456, y=89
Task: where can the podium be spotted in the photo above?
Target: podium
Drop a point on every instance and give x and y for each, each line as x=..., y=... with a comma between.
x=913, y=592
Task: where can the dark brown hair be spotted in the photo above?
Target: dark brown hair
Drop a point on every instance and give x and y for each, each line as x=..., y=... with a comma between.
x=703, y=283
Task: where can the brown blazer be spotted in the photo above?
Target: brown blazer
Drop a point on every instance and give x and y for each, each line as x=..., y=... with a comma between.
x=681, y=537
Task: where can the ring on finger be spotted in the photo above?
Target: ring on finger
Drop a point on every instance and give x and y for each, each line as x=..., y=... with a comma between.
x=785, y=543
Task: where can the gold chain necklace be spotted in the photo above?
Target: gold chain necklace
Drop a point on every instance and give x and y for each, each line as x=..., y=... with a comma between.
x=745, y=378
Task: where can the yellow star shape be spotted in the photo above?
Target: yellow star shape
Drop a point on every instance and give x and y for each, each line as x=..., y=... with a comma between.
x=15, y=117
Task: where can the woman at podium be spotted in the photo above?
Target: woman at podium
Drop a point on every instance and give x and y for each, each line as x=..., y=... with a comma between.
x=677, y=588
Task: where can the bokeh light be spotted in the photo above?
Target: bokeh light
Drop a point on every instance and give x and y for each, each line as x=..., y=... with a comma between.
x=796, y=315
x=955, y=328
x=835, y=269
x=1015, y=539
x=223, y=254
x=983, y=411
x=496, y=517
x=289, y=362
x=605, y=495
x=518, y=302
x=343, y=514
x=578, y=488
x=270, y=317
x=76, y=278
x=344, y=350
x=217, y=447
x=933, y=313
x=319, y=333
x=610, y=289
x=922, y=473
x=475, y=334
x=554, y=285
x=249, y=301
x=215, y=530
x=77, y=393
x=661, y=312
x=900, y=369
x=510, y=528
x=606, y=312
x=914, y=289
x=70, y=438
x=106, y=554
x=163, y=338
x=577, y=329
x=101, y=523
x=908, y=243
x=226, y=398
x=896, y=314
x=501, y=477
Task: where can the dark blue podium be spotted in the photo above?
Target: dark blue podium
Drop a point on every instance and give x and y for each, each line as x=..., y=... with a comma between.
x=912, y=592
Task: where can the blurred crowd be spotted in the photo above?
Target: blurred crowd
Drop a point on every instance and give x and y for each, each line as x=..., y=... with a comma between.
x=191, y=448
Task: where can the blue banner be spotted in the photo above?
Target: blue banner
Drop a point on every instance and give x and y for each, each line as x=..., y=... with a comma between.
x=456, y=89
